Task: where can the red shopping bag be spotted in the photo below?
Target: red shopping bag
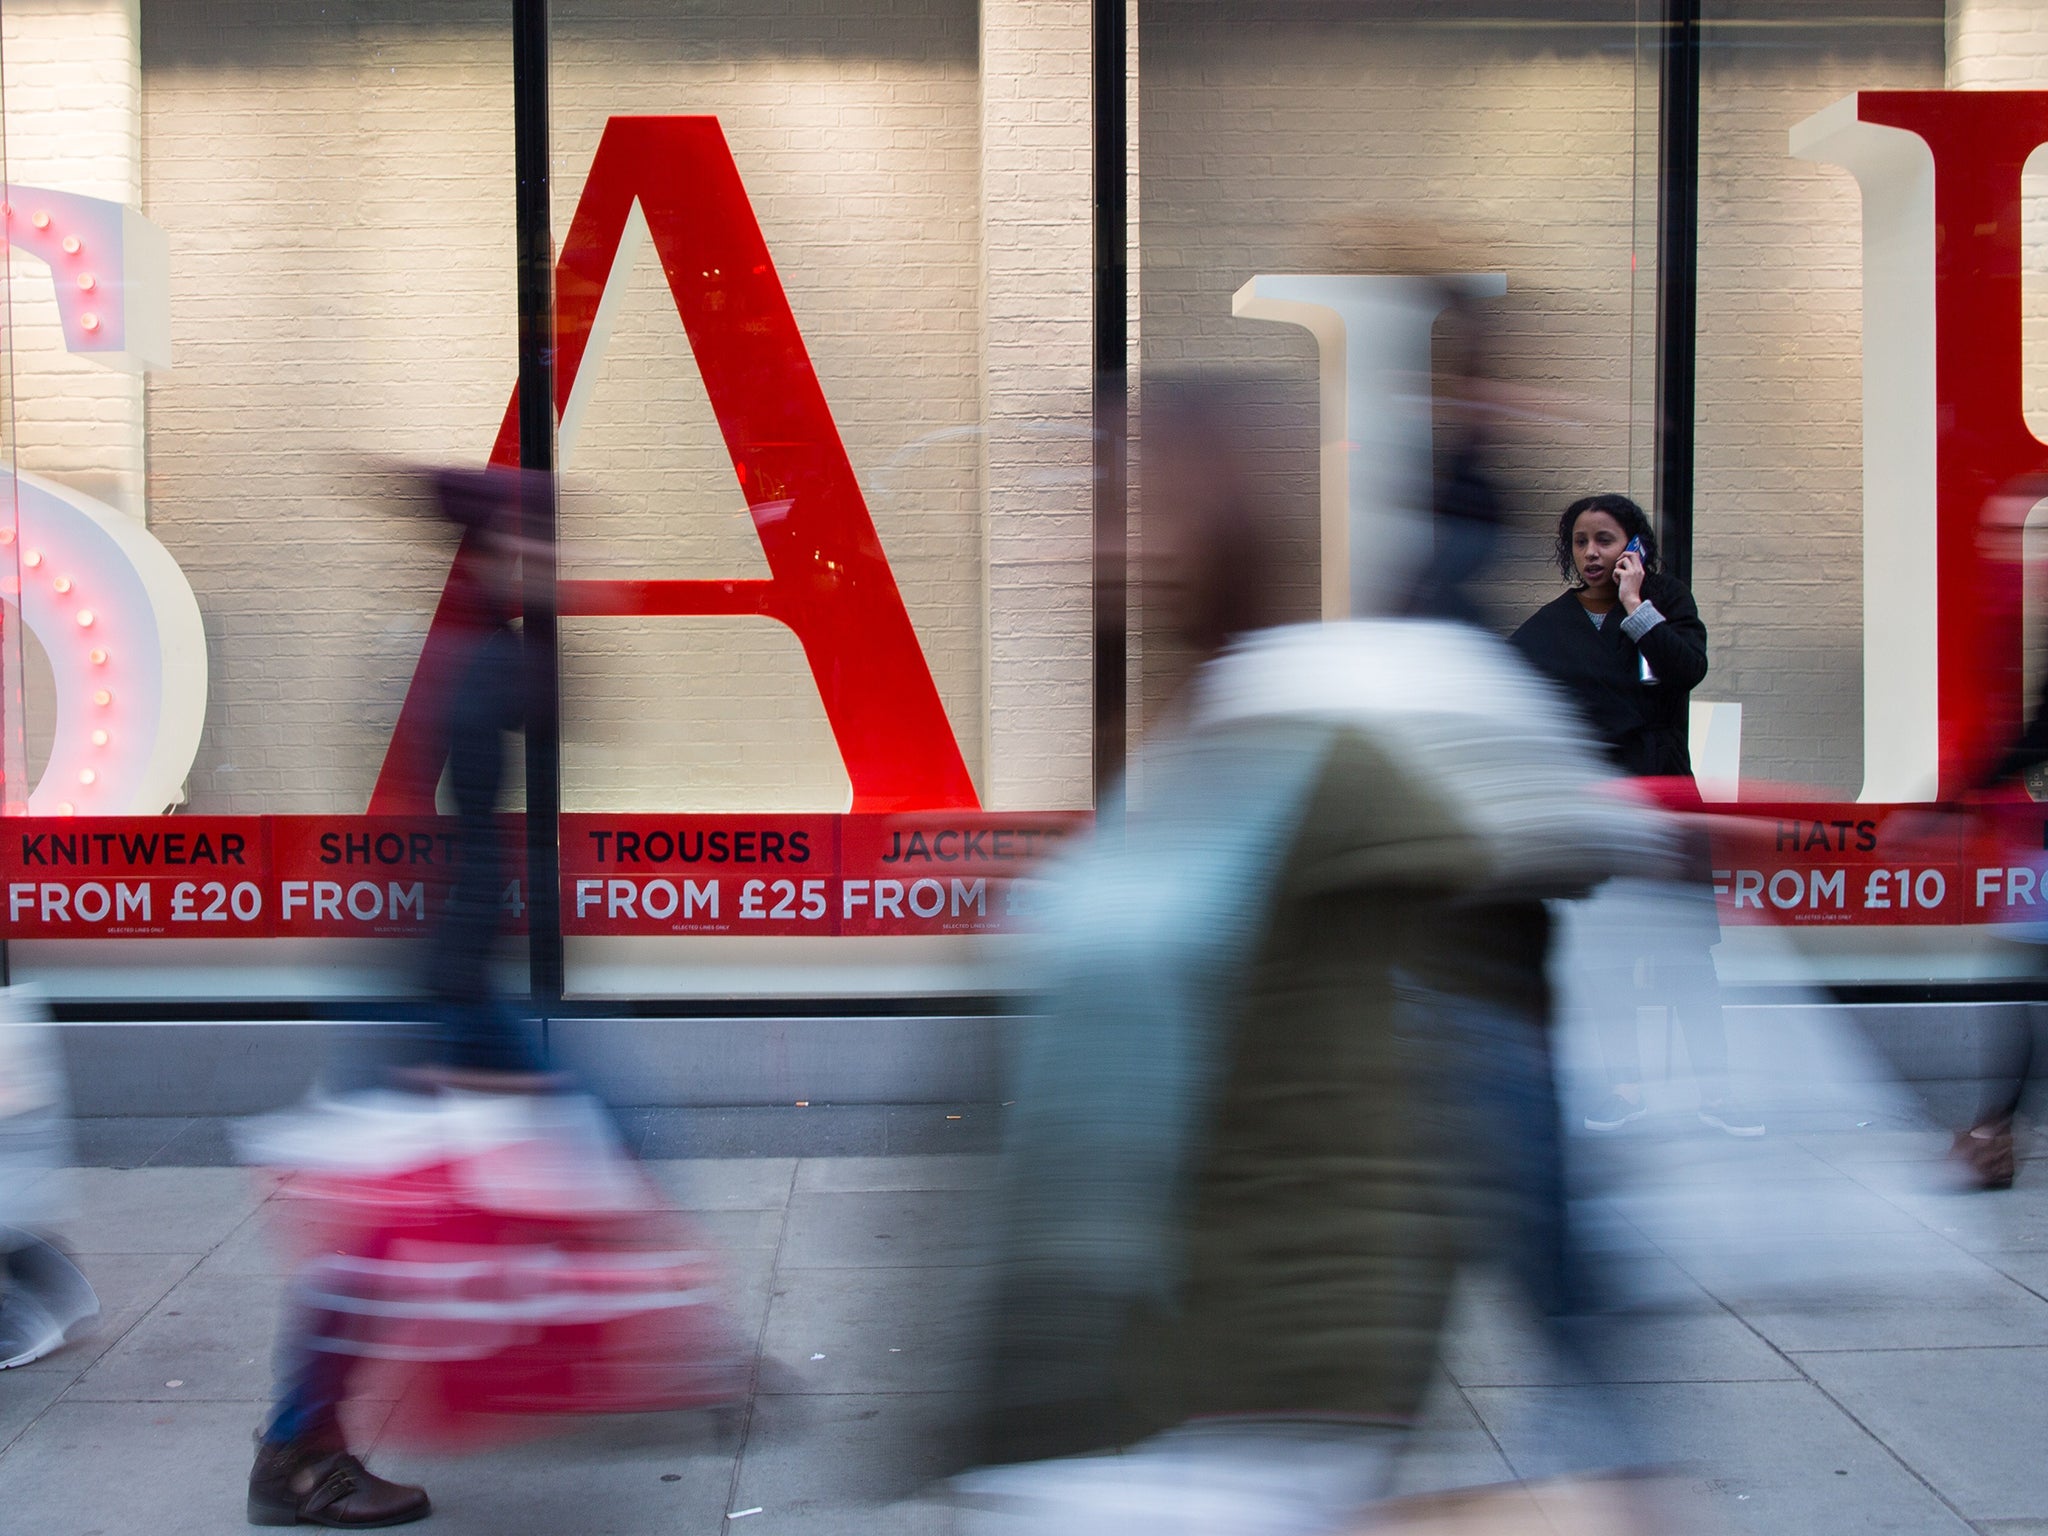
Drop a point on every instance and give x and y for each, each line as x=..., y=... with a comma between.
x=492, y=1261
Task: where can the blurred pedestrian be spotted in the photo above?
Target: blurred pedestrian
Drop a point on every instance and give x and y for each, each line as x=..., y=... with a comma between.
x=1240, y=1174
x=482, y=706
x=472, y=1038
x=1468, y=512
x=1986, y=1151
x=1627, y=644
x=45, y=1301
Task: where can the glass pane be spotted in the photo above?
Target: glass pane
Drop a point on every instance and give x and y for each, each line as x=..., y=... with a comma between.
x=1372, y=139
x=1832, y=527
x=281, y=245
x=826, y=298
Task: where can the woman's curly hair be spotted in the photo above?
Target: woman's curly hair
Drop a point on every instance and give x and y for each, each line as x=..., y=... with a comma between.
x=1635, y=522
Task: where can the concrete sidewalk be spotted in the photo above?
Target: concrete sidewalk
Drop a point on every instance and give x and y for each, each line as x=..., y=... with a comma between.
x=1912, y=1401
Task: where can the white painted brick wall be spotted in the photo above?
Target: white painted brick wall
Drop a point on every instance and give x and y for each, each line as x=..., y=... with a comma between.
x=1778, y=554
x=341, y=234
x=1997, y=44
x=1038, y=266
x=72, y=86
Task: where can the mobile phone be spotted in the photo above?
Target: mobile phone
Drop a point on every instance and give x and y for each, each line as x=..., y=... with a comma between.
x=1635, y=547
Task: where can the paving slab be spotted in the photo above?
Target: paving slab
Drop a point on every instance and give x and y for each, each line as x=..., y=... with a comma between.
x=1499, y=1345
x=1450, y=1449
x=732, y=1230
x=749, y=1277
x=938, y=1170
x=626, y=1477
x=1772, y=1458
x=1744, y=1272
x=2028, y=1267
x=24, y=1395
x=1792, y=1211
x=1993, y=1221
x=160, y=1210
x=262, y=1245
x=819, y=1463
x=128, y=1285
x=211, y=1338
x=1702, y=1157
x=1847, y=1149
x=726, y=1183
x=1971, y=1421
x=1601, y=1229
x=168, y=1469
x=894, y=1330
x=1894, y=1293
x=883, y=1229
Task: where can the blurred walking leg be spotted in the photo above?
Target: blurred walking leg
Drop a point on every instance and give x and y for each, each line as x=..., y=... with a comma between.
x=1520, y=1164
x=1621, y=1050
x=2014, y=1055
x=303, y=1470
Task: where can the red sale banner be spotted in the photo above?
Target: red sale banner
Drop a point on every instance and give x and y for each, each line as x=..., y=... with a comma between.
x=1872, y=866
x=699, y=874
x=391, y=876
x=139, y=877
x=377, y=876
x=930, y=872
x=935, y=873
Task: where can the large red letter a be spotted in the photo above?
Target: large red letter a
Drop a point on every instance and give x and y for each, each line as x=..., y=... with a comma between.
x=829, y=581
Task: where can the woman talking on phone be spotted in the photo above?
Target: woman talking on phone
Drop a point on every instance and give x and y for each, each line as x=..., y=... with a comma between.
x=1626, y=642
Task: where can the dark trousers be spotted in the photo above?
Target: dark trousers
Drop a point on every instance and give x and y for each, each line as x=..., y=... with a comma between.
x=1685, y=983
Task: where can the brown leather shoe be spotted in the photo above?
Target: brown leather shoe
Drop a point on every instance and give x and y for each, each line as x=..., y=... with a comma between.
x=314, y=1483
x=1985, y=1153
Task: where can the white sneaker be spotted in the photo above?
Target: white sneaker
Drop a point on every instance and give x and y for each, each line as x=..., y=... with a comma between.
x=1613, y=1112
x=1732, y=1118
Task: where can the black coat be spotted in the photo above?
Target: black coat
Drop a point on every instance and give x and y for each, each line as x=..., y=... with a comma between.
x=1643, y=725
